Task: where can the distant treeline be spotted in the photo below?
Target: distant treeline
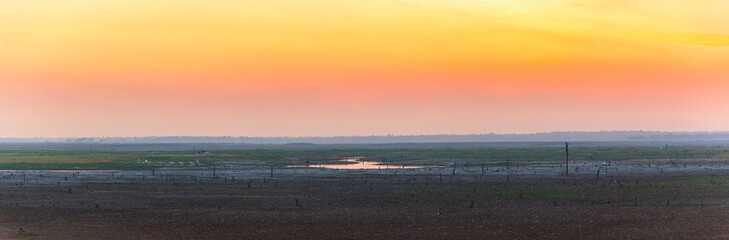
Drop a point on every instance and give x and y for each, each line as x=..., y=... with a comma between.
x=603, y=136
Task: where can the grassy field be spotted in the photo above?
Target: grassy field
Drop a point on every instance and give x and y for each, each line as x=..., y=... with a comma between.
x=466, y=192
x=128, y=157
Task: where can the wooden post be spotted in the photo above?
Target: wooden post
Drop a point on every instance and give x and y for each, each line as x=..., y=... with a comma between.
x=567, y=159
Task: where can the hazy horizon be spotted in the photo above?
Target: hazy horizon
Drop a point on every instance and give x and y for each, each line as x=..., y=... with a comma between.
x=380, y=135
x=634, y=137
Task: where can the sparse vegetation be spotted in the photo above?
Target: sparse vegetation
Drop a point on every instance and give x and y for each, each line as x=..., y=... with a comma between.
x=460, y=193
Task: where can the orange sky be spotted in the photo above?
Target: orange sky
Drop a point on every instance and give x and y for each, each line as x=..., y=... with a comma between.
x=345, y=67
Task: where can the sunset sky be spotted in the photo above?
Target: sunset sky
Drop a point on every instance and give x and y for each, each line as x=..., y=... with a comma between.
x=96, y=68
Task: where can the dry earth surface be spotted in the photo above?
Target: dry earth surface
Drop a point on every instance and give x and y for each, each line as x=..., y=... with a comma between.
x=657, y=199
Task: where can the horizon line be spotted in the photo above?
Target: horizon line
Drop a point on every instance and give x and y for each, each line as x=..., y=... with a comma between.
x=373, y=135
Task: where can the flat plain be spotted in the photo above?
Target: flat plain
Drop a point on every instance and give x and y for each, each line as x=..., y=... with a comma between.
x=418, y=191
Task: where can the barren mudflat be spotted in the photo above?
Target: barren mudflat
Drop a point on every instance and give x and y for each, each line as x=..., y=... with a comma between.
x=630, y=198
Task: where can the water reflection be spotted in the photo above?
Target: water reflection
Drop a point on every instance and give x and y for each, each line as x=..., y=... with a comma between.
x=356, y=164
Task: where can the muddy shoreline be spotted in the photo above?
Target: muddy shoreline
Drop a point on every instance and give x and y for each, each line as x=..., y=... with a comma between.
x=639, y=199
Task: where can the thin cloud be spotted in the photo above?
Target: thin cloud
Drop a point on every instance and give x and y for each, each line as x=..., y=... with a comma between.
x=700, y=39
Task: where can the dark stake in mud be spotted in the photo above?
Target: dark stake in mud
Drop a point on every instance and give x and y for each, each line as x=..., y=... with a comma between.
x=567, y=159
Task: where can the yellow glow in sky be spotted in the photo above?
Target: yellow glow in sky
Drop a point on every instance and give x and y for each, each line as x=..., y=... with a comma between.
x=345, y=67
